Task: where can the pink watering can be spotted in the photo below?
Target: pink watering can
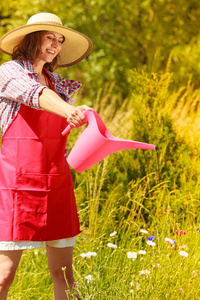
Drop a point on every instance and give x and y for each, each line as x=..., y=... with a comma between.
x=96, y=142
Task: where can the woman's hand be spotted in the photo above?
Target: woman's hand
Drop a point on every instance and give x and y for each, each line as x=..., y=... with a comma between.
x=76, y=118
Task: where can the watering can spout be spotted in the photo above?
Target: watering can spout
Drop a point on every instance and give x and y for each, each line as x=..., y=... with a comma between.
x=96, y=142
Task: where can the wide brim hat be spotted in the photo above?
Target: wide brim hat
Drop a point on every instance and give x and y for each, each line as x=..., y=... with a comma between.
x=74, y=49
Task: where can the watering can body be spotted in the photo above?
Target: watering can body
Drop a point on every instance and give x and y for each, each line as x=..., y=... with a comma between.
x=96, y=143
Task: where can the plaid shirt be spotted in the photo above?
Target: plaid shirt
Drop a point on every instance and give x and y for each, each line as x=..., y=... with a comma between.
x=20, y=84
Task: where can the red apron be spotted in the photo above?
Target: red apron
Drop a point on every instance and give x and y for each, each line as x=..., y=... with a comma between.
x=37, y=201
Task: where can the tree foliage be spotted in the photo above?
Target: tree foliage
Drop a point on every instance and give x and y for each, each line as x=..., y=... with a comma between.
x=126, y=34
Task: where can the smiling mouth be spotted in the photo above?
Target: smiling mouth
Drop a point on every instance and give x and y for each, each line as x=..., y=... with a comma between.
x=51, y=52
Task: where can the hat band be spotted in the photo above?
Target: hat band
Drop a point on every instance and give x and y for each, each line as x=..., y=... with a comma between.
x=46, y=22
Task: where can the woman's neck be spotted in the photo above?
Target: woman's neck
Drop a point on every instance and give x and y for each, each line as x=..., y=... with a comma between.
x=38, y=67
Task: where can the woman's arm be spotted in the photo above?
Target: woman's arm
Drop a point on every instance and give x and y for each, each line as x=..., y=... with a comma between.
x=16, y=85
x=51, y=102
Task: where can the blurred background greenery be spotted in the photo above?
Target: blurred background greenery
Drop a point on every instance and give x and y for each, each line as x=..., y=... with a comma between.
x=126, y=35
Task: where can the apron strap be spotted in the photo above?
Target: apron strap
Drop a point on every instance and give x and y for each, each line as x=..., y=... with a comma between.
x=48, y=79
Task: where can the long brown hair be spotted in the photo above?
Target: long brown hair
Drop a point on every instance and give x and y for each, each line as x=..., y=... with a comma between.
x=30, y=49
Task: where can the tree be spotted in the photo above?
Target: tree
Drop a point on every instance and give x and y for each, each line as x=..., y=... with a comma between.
x=126, y=34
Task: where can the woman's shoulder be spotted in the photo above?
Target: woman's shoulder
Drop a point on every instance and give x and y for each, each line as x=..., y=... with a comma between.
x=9, y=64
x=13, y=65
x=10, y=68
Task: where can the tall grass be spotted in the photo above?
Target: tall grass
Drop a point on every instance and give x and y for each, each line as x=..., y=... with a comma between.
x=112, y=274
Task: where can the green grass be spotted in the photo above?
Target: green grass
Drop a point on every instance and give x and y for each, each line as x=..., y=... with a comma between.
x=115, y=276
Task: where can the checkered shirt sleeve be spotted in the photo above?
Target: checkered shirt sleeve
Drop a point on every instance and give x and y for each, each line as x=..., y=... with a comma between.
x=16, y=85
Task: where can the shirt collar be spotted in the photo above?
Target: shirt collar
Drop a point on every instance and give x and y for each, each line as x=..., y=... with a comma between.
x=28, y=66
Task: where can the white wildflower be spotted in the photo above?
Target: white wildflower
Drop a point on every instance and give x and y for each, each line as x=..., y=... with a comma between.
x=170, y=241
x=142, y=252
x=143, y=231
x=36, y=251
x=88, y=254
x=183, y=254
x=110, y=245
x=89, y=278
x=113, y=233
x=132, y=255
x=144, y=272
x=151, y=244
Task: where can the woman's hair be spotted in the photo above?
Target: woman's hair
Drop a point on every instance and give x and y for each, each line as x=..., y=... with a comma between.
x=30, y=49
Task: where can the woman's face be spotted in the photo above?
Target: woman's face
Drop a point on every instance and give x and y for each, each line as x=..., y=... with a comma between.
x=51, y=45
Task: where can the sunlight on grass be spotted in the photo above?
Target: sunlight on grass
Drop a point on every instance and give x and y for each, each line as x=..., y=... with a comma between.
x=134, y=261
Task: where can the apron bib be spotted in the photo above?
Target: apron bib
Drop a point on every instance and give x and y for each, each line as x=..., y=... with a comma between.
x=37, y=201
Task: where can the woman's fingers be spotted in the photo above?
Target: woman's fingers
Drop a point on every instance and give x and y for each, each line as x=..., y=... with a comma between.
x=77, y=118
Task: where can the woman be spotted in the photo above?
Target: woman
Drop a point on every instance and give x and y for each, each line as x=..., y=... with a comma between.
x=37, y=203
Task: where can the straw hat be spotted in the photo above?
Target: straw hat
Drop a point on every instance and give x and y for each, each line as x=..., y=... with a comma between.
x=75, y=48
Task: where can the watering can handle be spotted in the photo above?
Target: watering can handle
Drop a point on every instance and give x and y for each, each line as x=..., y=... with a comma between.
x=67, y=130
x=69, y=127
